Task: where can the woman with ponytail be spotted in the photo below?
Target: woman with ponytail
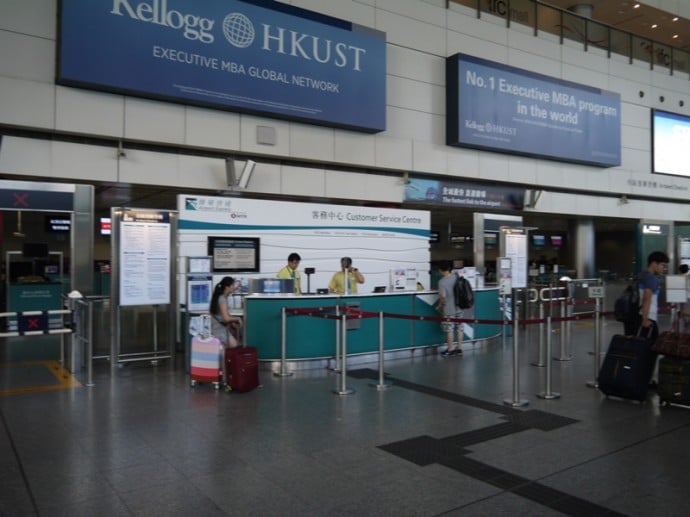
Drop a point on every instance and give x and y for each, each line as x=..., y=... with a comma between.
x=222, y=322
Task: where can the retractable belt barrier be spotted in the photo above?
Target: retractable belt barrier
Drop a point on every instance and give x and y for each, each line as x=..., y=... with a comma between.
x=341, y=314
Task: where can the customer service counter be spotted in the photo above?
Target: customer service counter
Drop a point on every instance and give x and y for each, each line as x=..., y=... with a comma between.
x=309, y=337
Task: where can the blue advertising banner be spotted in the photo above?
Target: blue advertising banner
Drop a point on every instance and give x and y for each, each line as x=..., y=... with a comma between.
x=251, y=56
x=463, y=194
x=501, y=108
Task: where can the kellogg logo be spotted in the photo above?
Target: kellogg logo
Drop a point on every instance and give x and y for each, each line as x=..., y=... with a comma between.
x=239, y=31
x=193, y=27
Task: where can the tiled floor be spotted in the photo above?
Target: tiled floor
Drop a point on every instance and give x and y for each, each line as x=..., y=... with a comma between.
x=440, y=441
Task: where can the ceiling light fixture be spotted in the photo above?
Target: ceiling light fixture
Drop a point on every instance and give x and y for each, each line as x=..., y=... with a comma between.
x=654, y=26
x=636, y=6
x=675, y=36
x=675, y=18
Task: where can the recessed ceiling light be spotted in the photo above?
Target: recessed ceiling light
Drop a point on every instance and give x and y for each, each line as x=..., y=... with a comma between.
x=675, y=18
x=636, y=6
x=675, y=36
x=654, y=26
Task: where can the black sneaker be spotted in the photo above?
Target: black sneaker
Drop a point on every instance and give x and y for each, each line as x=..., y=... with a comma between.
x=448, y=353
x=457, y=351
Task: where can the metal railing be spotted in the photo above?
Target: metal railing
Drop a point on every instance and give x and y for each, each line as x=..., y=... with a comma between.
x=571, y=26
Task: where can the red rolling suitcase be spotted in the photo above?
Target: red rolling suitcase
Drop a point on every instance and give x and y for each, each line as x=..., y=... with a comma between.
x=241, y=368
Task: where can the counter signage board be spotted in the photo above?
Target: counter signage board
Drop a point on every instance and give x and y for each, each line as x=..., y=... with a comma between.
x=501, y=108
x=254, y=56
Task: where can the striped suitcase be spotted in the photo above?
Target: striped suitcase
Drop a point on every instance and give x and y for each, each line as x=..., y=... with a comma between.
x=206, y=362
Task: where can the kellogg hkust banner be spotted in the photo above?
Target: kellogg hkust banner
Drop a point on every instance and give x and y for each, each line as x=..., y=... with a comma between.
x=254, y=56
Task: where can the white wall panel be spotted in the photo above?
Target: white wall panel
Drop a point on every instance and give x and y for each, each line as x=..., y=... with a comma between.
x=154, y=121
x=212, y=128
x=27, y=57
x=636, y=138
x=463, y=163
x=351, y=147
x=523, y=171
x=352, y=185
x=410, y=33
x=411, y=64
x=355, y=12
x=25, y=156
x=302, y=181
x=27, y=103
x=312, y=143
x=149, y=168
x=428, y=157
x=393, y=153
x=88, y=112
x=266, y=178
x=82, y=162
x=416, y=95
x=421, y=11
x=33, y=17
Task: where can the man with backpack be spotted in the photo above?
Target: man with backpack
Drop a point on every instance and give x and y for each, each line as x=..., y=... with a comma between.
x=449, y=309
x=649, y=288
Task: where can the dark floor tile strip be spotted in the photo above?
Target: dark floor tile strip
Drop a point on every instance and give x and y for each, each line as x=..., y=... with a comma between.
x=20, y=467
x=452, y=450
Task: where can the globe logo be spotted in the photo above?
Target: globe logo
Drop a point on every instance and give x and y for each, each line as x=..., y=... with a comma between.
x=238, y=30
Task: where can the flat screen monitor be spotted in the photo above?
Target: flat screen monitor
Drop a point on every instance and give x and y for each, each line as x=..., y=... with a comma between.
x=490, y=240
x=539, y=241
x=234, y=254
x=670, y=142
x=556, y=241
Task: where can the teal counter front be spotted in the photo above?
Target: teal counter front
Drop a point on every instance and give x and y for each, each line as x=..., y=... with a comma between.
x=311, y=337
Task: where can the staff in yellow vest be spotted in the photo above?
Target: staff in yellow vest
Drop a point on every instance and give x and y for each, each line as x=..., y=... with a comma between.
x=339, y=284
x=290, y=271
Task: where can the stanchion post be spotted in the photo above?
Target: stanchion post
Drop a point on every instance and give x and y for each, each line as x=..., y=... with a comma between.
x=597, y=344
x=89, y=346
x=548, y=394
x=283, y=345
x=382, y=384
x=540, y=359
x=563, y=356
x=516, y=401
x=344, y=390
x=336, y=366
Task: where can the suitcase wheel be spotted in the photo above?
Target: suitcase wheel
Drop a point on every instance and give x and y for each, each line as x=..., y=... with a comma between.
x=192, y=383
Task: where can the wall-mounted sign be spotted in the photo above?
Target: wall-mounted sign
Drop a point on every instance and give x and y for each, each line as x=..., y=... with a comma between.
x=254, y=56
x=501, y=108
x=456, y=193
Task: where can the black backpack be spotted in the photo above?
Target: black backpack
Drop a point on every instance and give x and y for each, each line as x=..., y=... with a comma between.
x=462, y=292
x=627, y=305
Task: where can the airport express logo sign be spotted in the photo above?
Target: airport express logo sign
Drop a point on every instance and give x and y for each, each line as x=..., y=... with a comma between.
x=240, y=32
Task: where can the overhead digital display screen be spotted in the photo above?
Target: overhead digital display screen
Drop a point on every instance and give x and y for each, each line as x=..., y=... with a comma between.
x=670, y=143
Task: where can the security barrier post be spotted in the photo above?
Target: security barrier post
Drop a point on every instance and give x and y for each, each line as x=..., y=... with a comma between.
x=382, y=384
x=516, y=401
x=597, y=344
x=336, y=366
x=540, y=359
x=548, y=394
x=344, y=390
x=283, y=346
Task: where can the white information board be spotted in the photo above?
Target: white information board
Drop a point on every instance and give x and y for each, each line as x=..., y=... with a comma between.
x=144, y=263
x=516, y=251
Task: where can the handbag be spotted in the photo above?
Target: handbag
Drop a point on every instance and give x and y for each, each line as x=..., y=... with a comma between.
x=672, y=344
